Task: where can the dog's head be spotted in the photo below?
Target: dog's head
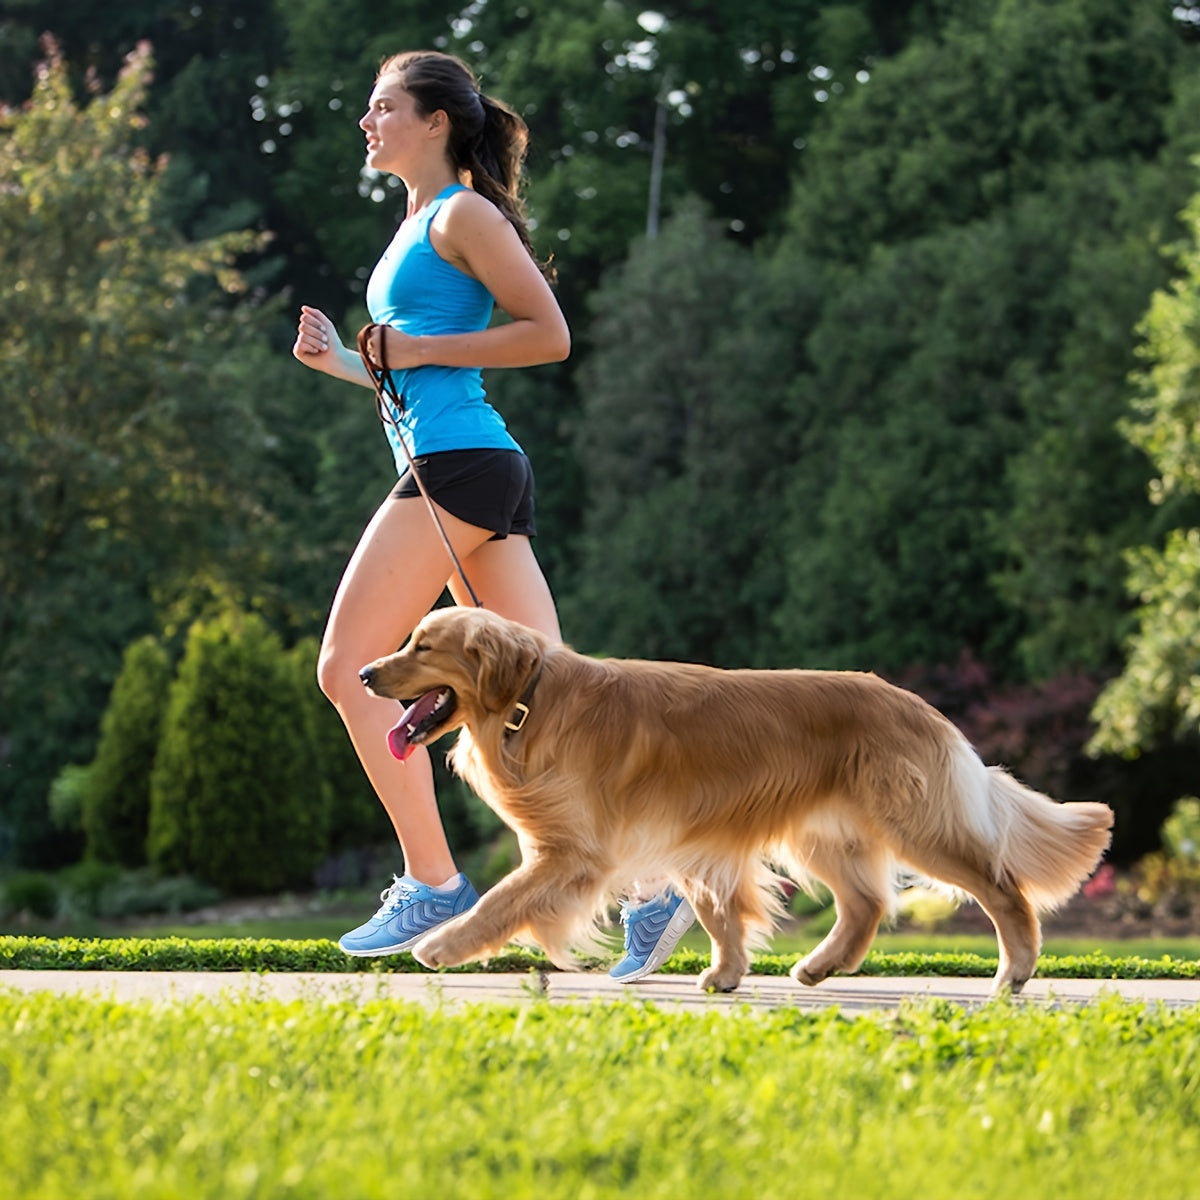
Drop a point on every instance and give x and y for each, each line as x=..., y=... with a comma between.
x=462, y=666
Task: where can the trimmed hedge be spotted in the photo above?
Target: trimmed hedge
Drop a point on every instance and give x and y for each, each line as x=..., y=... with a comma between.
x=323, y=956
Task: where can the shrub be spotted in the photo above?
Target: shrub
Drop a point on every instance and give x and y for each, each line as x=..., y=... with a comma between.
x=356, y=817
x=67, y=797
x=1168, y=881
x=140, y=893
x=235, y=796
x=32, y=892
x=116, y=801
x=83, y=886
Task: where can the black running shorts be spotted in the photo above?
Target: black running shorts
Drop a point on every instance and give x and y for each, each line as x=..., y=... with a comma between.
x=490, y=489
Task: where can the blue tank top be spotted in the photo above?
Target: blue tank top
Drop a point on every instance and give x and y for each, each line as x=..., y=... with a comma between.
x=413, y=288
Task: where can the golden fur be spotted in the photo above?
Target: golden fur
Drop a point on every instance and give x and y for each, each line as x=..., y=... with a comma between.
x=627, y=769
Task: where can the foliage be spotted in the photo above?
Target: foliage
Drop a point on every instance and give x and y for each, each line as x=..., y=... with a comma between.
x=356, y=817
x=116, y=809
x=240, y=1096
x=235, y=795
x=131, y=434
x=67, y=797
x=969, y=117
x=684, y=443
x=1167, y=882
x=963, y=484
x=320, y=955
x=861, y=412
x=1156, y=697
x=32, y=892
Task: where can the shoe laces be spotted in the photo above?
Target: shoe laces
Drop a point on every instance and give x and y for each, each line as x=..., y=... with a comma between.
x=395, y=895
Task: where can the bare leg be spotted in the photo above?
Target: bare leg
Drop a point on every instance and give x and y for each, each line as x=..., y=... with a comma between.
x=394, y=577
x=507, y=579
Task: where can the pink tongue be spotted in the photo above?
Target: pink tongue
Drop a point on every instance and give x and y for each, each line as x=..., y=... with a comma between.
x=398, y=736
x=398, y=742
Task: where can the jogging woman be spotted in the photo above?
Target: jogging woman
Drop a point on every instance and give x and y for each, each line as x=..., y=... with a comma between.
x=462, y=250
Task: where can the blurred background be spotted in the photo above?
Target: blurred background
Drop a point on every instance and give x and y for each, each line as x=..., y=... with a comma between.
x=886, y=325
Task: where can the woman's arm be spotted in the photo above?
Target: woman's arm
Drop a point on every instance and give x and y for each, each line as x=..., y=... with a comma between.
x=472, y=234
x=318, y=346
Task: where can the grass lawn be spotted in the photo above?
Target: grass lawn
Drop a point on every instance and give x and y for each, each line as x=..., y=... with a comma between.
x=253, y=1098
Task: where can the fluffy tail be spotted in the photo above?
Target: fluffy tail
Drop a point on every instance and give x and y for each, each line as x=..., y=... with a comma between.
x=1047, y=848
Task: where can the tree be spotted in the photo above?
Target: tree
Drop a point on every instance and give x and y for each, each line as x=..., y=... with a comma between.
x=139, y=455
x=685, y=444
x=1156, y=698
x=974, y=113
x=236, y=797
x=116, y=805
x=964, y=487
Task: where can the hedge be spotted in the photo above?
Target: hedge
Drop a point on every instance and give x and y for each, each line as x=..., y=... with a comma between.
x=323, y=956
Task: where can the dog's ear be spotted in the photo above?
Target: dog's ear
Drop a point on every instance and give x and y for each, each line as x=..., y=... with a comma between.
x=505, y=656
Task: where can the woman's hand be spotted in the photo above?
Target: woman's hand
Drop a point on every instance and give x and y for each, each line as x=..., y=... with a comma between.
x=316, y=342
x=399, y=350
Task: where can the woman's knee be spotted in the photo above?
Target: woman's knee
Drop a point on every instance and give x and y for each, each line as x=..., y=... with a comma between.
x=337, y=673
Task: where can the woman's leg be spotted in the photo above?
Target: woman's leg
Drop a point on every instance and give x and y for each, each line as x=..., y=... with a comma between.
x=395, y=576
x=508, y=580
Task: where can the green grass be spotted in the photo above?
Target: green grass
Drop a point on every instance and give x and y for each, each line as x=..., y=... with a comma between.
x=238, y=1098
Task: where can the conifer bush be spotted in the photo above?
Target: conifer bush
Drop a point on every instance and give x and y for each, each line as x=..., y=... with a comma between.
x=235, y=796
x=356, y=817
x=116, y=803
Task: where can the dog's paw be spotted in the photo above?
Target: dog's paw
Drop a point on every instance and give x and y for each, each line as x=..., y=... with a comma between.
x=444, y=947
x=719, y=979
x=806, y=973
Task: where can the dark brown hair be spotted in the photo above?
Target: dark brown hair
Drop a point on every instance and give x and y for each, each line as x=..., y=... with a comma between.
x=487, y=139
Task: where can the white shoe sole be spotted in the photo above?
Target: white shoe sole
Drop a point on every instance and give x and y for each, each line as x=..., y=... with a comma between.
x=385, y=950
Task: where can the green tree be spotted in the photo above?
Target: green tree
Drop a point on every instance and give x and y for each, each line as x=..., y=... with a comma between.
x=685, y=443
x=140, y=451
x=356, y=817
x=1156, y=698
x=116, y=805
x=990, y=221
x=236, y=797
x=976, y=111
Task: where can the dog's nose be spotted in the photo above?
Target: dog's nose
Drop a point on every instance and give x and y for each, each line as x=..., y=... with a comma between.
x=367, y=674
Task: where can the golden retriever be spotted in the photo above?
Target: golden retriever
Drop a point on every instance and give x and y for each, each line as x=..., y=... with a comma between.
x=614, y=769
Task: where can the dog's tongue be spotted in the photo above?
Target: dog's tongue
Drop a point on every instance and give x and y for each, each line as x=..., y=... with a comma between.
x=400, y=735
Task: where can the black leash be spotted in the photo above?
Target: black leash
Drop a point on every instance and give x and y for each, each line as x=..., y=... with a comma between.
x=385, y=391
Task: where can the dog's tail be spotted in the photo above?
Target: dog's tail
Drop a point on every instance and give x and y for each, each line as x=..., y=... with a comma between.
x=1048, y=849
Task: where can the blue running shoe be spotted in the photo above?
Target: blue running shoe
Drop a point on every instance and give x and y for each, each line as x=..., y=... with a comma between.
x=409, y=911
x=652, y=931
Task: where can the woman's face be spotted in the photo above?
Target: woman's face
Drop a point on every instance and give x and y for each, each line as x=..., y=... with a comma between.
x=396, y=134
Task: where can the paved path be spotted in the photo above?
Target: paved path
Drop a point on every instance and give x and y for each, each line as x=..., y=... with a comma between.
x=851, y=994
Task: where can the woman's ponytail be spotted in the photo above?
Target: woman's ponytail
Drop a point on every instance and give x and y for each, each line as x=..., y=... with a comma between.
x=487, y=139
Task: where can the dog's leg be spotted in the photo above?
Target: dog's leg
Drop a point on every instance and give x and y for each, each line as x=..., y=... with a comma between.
x=858, y=877
x=724, y=920
x=535, y=897
x=1018, y=929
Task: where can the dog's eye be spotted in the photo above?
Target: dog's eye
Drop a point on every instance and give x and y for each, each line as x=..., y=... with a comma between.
x=422, y=648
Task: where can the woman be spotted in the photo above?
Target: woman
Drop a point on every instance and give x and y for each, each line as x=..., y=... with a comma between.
x=462, y=249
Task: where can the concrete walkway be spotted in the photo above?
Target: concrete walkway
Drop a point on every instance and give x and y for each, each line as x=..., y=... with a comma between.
x=850, y=994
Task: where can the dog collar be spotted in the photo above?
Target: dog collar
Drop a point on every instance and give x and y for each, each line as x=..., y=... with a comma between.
x=520, y=712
